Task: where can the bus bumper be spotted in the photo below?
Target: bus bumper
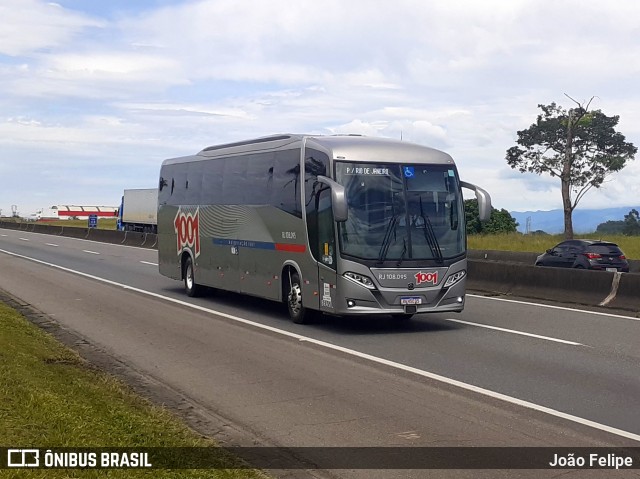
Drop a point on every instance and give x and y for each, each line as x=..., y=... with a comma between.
x=358, y=300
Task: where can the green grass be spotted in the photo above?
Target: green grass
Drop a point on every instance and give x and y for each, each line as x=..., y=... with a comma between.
x=49, y=397
x=103, y=223
x=630, y=245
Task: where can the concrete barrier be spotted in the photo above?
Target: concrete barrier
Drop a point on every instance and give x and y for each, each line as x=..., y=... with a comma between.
x=106, y=236
x=504, y=256
x=628, y=294
x=150, y=241
x=557, y=284
x=11, y=225
x=75, y=232
x=48, y=229
x=128, y=238
x=132, y=238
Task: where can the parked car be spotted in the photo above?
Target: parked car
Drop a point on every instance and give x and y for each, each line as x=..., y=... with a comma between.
x=585, y=254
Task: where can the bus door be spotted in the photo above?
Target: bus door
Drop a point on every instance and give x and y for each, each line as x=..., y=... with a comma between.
x=325, y=251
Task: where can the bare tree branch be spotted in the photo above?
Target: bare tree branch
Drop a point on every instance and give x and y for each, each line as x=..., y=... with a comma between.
x=580, y=194
x=586, y=108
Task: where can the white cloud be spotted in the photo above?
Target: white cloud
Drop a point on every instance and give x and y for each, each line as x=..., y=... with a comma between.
x=33, y=25
x=140, y=85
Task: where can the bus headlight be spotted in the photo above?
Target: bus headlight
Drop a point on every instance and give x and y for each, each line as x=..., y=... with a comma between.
x=360, y=279
x=454, y=278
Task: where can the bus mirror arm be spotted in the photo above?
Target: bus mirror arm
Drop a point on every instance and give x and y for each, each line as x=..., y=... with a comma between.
x=338, y=199
x=484, y=200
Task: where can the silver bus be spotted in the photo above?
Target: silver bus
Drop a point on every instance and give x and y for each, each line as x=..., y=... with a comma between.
x=344, y=224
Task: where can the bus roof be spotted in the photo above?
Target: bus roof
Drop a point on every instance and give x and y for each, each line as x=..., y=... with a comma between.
x=341, y=147
x=374, y=149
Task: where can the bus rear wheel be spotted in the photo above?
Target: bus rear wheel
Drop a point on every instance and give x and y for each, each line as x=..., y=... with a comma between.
x=190, y=286
x=297, y=312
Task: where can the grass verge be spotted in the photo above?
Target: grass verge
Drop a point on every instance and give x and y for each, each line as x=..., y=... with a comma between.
x=50, y=397
x=630, y=245
x=103, y=223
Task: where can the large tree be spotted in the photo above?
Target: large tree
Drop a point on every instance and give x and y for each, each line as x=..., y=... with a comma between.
x=610, y=227
x=579, y=146
x=632, y=223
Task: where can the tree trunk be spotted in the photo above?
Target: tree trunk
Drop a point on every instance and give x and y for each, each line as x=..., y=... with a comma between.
x=568, y=210
x=566, y=180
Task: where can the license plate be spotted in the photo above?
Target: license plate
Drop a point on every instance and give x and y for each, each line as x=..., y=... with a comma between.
x=411, y=300
x=612, y=270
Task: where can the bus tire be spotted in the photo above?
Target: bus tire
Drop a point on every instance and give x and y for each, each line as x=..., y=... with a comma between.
x=297, y=312
x=190, y=286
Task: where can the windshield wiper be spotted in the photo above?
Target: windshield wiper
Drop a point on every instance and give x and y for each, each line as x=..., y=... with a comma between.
x=404, y=250
x=430, y=236
x=386, y=241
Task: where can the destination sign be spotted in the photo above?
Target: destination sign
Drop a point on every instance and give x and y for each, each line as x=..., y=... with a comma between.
x=367, y=170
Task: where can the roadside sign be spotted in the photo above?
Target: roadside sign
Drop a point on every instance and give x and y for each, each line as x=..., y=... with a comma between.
x=93, y=221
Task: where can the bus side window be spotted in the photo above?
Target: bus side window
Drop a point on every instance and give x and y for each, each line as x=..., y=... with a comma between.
x=212, y=173
x=165, y=186
x=193, y=188
x=234, y=186
x=326, y=250
x=316, y=163
x=178, y=187
x=285, y=193
x=259, y=178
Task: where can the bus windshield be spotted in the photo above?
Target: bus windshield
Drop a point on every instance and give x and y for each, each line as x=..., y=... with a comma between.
x=401, y=212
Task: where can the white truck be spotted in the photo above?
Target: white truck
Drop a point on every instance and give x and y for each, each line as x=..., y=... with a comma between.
x=139, y=211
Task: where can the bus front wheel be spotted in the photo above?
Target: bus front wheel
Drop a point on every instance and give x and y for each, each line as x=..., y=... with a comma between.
x=297, y=312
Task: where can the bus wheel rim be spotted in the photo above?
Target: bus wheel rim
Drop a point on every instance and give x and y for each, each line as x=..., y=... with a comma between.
x=189, y=276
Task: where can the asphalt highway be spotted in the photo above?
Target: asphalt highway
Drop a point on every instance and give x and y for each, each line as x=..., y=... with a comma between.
x=505, y=372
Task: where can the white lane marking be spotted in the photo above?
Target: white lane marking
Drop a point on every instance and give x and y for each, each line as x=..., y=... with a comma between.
x=352, y=352
x=513, y=331
x=149, y=262
x=52, y=244
x=4, y=236
x=24, y=239
x=550, y=306
x=90, y=252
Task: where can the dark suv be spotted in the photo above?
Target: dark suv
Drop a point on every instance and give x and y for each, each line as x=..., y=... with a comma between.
x=586, y=254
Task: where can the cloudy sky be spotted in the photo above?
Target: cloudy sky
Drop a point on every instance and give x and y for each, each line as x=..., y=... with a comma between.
x=95, y=94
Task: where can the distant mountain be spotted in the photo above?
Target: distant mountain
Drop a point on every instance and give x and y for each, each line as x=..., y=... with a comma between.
x=584, y=221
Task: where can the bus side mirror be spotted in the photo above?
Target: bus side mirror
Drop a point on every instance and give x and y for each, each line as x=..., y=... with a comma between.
x=338, y=199
x=484, y=200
